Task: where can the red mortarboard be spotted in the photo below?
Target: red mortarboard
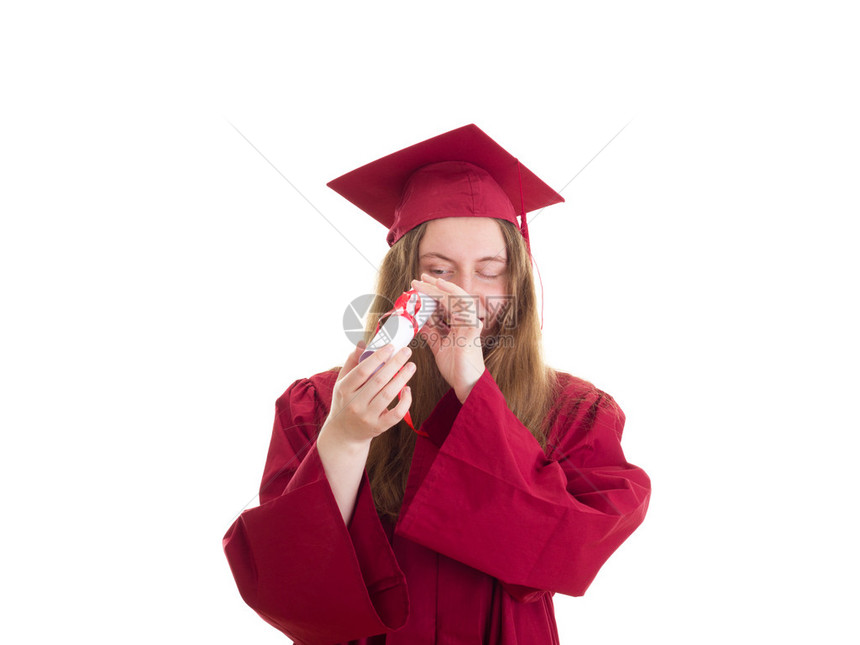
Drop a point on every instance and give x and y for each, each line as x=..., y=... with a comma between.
x=462, y=173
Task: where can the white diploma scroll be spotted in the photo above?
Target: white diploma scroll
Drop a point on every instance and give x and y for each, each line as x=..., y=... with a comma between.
x=398, y=328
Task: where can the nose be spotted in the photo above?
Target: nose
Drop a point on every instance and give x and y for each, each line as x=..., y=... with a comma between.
x=464, y=281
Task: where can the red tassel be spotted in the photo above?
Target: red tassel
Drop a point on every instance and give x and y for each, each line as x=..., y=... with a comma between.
x=524, y=227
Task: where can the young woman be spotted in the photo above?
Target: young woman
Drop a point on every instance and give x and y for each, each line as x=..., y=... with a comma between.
x=512, y=485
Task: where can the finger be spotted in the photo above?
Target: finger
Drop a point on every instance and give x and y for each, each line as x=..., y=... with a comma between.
x=466, y=325
x=438, y=322
x=384, y=374
x=463, y=310
x=386, y=395
x=433, y=338
x=365, y=369
x=439, y=314
x=447, y=293
x=427, y=287
x=440, y=285
x=396, y=414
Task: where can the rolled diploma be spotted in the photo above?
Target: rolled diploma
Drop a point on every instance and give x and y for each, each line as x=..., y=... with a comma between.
x=398, y=330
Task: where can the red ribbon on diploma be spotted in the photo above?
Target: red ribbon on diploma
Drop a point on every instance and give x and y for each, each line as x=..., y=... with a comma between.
x=401, y=308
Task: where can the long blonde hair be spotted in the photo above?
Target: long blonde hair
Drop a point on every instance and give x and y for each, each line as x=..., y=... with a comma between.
x=515, y=362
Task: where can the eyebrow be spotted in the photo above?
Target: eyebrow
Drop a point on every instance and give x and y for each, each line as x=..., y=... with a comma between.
x=489, y=258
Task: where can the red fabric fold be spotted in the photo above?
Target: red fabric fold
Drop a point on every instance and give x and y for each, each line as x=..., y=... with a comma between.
x=493, y=500
x=294, y=560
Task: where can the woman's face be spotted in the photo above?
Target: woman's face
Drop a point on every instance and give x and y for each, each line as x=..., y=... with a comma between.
x=471, y=253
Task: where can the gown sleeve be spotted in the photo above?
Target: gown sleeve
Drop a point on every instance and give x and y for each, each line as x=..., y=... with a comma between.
x=294, y=560
x=485, y=493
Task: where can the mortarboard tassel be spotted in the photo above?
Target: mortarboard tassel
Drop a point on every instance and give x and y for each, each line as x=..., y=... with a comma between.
x=524, y=229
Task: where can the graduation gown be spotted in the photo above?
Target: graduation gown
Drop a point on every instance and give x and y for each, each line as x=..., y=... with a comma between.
x=491, y=525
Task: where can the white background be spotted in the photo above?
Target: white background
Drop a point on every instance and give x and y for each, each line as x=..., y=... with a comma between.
x=162, y=284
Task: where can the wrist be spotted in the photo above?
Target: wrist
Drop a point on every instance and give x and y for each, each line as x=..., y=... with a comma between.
x=331, y=439
x=463, y=391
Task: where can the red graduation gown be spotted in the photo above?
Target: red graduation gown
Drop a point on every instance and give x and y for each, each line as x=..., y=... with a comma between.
x=491, y=525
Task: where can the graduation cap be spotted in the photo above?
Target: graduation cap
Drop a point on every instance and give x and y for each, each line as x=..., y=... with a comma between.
x=462, y=173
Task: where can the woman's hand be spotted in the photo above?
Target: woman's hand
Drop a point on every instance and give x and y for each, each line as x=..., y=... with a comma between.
x=454, y=334
x=359, y=412
x=363, y=391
